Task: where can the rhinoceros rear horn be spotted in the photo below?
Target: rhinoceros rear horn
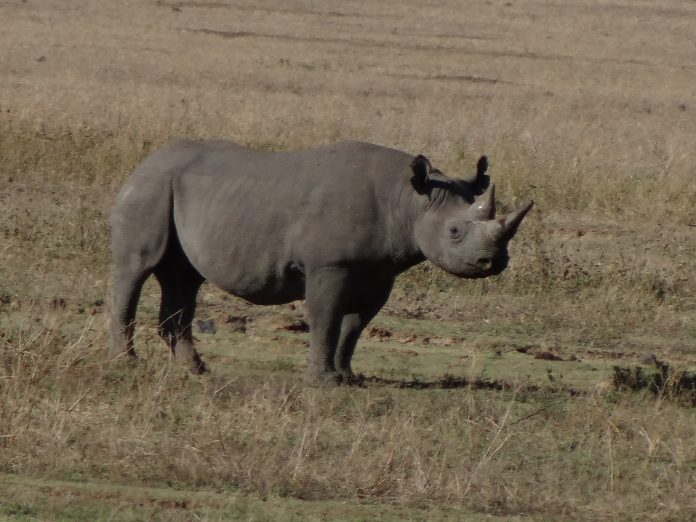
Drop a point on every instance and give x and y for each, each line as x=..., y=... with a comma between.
x=484, y=207
x=511, y=222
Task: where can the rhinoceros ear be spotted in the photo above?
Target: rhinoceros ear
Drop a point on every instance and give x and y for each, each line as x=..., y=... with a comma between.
x=421, y=172
x=480, y=180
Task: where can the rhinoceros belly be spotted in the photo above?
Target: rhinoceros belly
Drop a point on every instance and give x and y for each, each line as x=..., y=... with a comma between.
x=244, y=253
x=261, y=286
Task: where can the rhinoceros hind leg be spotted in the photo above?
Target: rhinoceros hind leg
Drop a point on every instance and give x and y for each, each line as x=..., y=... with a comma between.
x=179, y=282
x=127, y=285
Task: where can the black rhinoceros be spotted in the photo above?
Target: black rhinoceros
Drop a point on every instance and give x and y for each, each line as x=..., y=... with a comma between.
x=333, y=225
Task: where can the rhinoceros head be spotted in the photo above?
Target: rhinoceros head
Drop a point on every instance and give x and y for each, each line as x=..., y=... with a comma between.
x=457, y=231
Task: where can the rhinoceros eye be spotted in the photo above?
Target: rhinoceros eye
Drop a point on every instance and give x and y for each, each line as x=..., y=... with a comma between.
x=454, y=231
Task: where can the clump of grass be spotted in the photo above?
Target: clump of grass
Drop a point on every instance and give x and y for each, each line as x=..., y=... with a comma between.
x=661, y=380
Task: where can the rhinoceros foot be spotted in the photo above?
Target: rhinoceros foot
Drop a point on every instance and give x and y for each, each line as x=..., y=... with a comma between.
x=352, y=379
x=199, y=367
x=322, y=378
x=186, y=355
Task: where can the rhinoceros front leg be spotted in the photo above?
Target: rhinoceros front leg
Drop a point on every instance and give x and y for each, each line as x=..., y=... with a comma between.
x=326, y=292
x=365, y=305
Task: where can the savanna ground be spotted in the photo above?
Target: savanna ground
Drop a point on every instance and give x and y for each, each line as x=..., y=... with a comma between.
x=483, y=400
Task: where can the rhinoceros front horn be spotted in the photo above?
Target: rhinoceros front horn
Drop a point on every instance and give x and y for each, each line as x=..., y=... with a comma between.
x=510, y=223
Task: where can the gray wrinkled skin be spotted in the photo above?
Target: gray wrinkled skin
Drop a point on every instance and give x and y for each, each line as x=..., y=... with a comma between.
x=332, y=225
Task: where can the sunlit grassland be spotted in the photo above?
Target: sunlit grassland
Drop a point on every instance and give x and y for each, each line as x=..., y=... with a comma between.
x=585, y=107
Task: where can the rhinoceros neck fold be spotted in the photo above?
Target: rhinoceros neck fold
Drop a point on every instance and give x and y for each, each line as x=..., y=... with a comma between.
x=405, y=211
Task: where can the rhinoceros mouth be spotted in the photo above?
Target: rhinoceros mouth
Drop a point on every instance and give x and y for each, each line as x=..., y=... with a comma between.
x=472, y=271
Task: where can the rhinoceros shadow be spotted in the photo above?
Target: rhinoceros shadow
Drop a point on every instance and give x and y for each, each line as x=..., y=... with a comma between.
x=446, y=382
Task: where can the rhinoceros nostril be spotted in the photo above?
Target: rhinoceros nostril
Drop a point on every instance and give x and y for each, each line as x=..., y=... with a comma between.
x=484, y=263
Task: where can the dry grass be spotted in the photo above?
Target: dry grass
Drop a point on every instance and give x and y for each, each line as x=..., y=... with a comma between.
x=501, y=452
x=587, y=107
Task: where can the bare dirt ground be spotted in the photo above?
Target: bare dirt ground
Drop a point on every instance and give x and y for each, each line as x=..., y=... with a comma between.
x=486, y=398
